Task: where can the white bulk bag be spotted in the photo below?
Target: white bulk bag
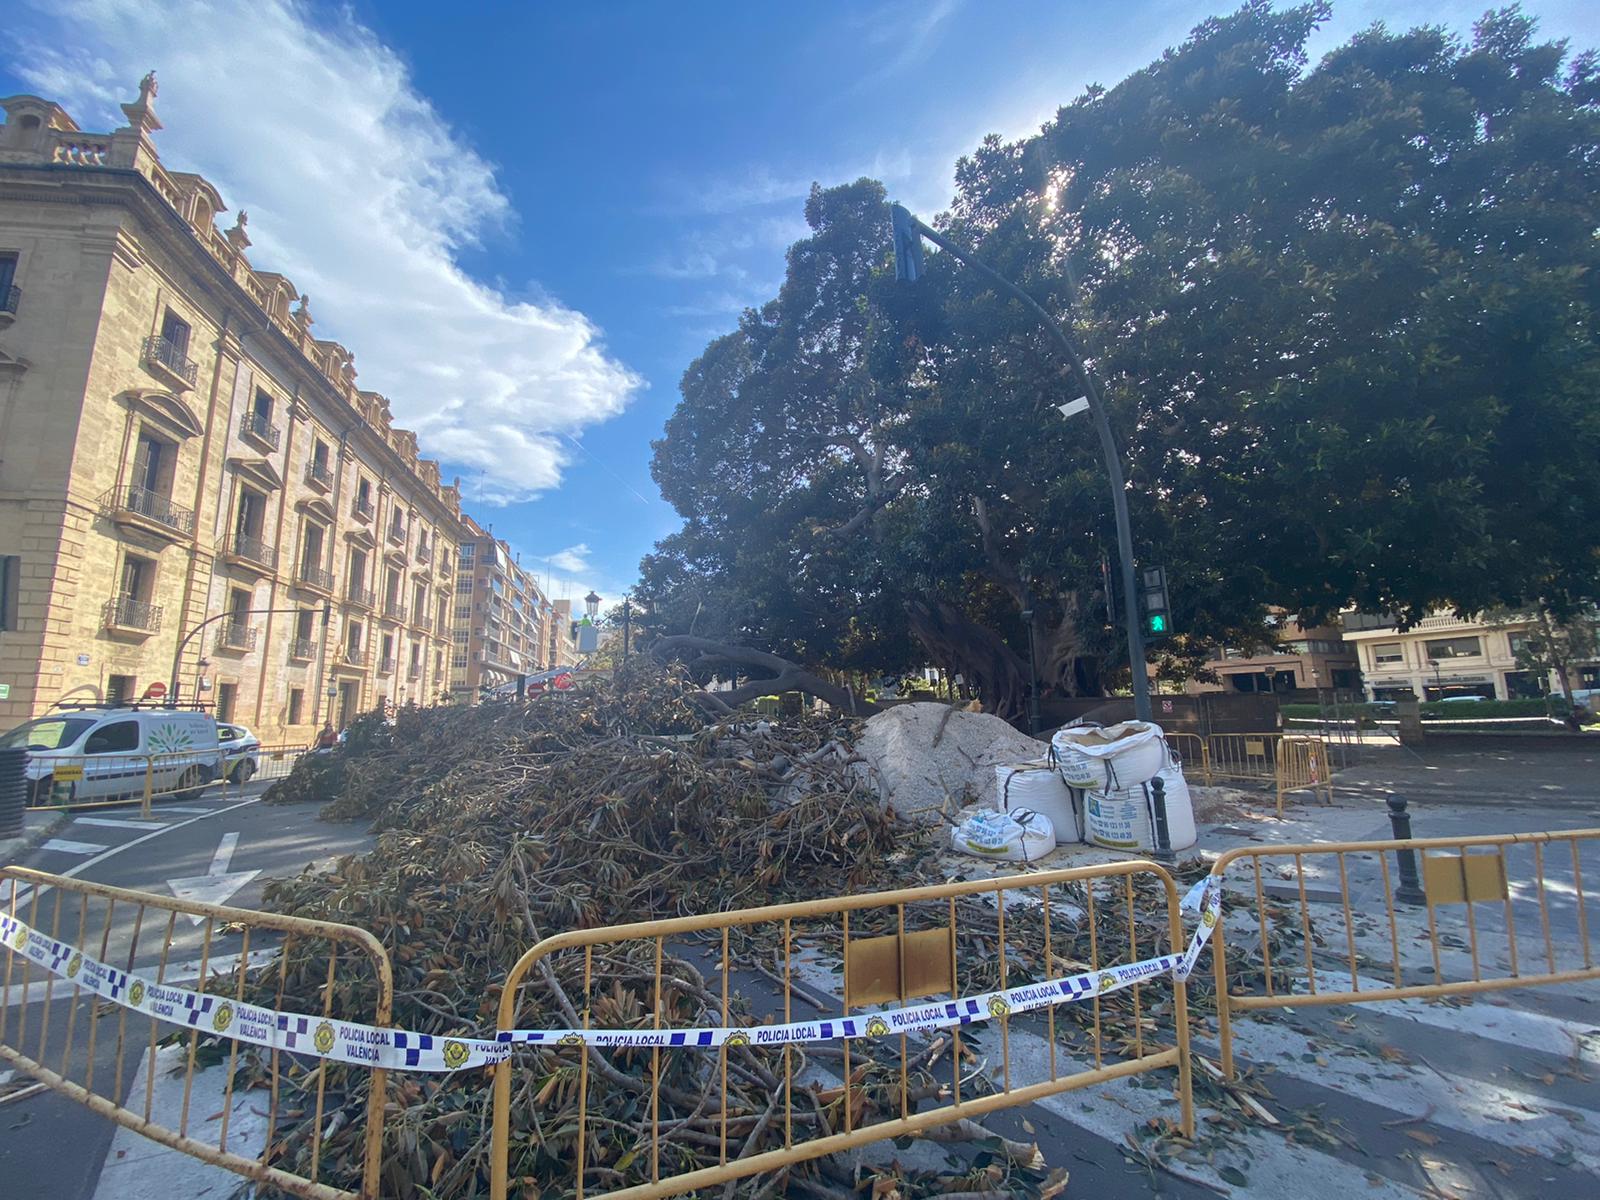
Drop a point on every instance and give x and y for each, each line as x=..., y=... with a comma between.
x=1109, y=758
x=1124, y=818
x=1037, y=787
x=1017, y=836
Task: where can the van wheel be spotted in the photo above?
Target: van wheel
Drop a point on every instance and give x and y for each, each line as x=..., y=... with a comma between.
x=189, y=785
x=243, y=772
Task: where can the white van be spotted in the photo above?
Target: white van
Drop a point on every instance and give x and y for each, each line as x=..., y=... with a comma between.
x=115, y=747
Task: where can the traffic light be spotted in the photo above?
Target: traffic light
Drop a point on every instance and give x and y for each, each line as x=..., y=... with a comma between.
x=1157, y=609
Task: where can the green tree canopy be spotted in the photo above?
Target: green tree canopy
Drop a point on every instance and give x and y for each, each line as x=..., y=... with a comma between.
x=1345, y=320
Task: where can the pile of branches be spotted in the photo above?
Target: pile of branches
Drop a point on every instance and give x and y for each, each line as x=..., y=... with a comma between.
x=502, y=824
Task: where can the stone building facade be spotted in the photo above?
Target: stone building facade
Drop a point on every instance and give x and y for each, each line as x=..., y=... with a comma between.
x=192, y=485
x=501, y=616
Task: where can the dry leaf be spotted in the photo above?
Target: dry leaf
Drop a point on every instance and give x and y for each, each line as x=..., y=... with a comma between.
x=1423, y=1136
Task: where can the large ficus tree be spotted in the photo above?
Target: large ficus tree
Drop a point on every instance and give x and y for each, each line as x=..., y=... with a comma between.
x=1345, y=321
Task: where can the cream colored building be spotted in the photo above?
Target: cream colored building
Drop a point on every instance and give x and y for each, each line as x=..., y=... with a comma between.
x=1444, y=655
x=501, y=616
x=186, y=469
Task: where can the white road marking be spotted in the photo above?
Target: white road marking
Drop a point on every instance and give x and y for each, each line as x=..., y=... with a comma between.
x=19, y=895
x=218, y=884
x=119, y=823
x=174, y=808
x=67, y=847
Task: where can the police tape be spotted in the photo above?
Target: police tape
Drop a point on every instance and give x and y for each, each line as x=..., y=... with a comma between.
x=371, y=1046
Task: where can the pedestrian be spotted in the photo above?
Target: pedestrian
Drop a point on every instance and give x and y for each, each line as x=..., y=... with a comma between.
x=327, y=739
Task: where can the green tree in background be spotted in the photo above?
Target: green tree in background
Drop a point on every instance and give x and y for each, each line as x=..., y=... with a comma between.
x=1345, y=316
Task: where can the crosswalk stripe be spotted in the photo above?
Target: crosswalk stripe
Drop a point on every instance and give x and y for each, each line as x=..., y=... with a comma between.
x=173, y=808
x=120, y=823
x=69, y=847
x=1487, y=1111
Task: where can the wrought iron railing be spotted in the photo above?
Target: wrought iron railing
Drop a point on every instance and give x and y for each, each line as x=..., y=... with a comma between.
x=357, y=594
x=314, y=576
x=394, y=610
x=235, y=635
x=319, y=475
x=386, y=664
x=159, y=351
x=124, y=612
x=303, y=649
x=9, y=299
x=258, y=426
x=150, y=505
x=255, y=550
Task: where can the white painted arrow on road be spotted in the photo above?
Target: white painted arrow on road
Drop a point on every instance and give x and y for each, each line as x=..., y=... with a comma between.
x=217, y=884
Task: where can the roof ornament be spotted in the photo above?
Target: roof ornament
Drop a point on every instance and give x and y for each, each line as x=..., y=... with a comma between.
x=302, y=314
x=148, y=88
x=237, y=237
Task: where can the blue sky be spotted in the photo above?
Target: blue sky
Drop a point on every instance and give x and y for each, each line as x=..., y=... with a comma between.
x=527, y=219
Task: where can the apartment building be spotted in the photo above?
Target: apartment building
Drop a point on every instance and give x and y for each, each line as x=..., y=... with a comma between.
x=193, y=488
x=1298, y=660
x=500, y=615
x=1444, y=655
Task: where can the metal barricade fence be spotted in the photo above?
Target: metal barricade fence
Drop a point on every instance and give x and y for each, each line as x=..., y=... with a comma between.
x=743, y=1108
x=105, y=780
x=1191, y=751
x=1448, y=916
x=118, y=1069
x=1303, y=765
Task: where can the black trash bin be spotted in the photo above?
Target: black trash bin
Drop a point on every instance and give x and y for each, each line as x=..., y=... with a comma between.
x=13, y=791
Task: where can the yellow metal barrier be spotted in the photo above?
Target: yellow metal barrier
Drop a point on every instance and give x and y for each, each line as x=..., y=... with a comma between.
x=1303, y=764
x=212, y=948
x=830, y=956
x=104, y=780
x=1486, y=907
x=1191, y=749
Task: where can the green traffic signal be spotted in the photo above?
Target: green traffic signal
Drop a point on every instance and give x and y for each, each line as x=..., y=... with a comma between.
x=1157, y=623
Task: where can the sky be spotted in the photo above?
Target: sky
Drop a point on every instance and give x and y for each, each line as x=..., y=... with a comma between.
x=527, y=219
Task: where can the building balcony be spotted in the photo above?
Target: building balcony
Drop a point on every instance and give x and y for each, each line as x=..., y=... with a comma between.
x=397, y=534
x=362, y=510
x=363, y=597
x=151, y=512
x=251, y=554
x=414, y=671
x=235, y=637
x=254, y=427
x=386, y=664
x=314, y=578
x=393, y=610
x=10, y=298
x=424, y=552
x=354, y=657
x=421, y=623
x=302, y=649
x=167, y=362
x=127, y=615
x=319, y=476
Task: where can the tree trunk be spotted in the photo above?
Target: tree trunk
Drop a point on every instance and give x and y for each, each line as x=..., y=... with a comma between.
x=785, y=676
x=979, y=654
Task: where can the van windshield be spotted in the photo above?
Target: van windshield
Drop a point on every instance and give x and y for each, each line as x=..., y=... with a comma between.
x=47, y=733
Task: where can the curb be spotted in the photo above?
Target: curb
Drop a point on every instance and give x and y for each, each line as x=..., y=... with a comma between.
x=12, y=849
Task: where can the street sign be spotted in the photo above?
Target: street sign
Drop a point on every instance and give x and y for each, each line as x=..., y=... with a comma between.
x=5, y=691
x=83, y=660
x=155, y=691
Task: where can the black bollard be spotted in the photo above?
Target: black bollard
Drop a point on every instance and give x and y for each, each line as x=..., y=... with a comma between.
x=1158, y=803
x=1410, y=889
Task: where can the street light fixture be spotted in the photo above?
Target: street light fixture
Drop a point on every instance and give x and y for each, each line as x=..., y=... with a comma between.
x=908, y=234
x=591, y=605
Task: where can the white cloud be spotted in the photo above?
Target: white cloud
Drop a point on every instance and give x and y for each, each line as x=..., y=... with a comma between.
x=574, y=559
x=361, y=194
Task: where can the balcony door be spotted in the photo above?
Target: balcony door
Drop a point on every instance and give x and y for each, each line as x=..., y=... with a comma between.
x=252, y=515
x=175, y=331
x=138, y=578
x=311, y=550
